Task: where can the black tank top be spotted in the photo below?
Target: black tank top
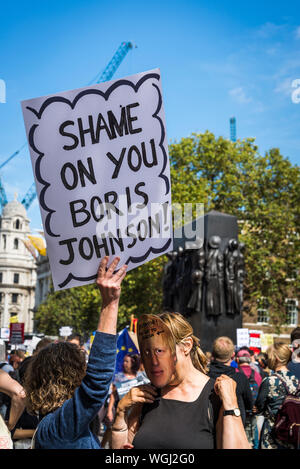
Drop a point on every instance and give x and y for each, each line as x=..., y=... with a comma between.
x=172, y=424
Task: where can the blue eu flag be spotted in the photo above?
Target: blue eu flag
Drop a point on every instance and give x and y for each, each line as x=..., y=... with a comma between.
x=125, y=346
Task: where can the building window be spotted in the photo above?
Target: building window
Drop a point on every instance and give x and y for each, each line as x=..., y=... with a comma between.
x=1, y=277
x=4, y=241
x=16, y=278
x=14, y=297
x=16, y=243
x=17, y=224
x=263, y=311
x=291, y=308
x=1, y=297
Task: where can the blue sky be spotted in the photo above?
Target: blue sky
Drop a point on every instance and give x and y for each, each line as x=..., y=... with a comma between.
x=217, y=58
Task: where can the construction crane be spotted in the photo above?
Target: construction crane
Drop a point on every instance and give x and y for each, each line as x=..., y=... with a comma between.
x=232, y=121
x=106, y=75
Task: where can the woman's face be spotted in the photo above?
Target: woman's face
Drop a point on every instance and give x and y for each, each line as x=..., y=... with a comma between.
x=159, y=361
x=127, y=364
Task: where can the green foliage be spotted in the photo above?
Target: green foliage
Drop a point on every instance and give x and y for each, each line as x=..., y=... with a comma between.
x=76, y=307
x=262, y=191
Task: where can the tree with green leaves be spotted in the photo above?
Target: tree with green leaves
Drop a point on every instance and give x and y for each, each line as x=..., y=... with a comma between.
x=230, y=177
x=264, y=193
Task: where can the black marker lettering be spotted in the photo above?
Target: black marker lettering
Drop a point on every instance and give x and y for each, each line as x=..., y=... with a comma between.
x=89, y=173
x=142, y=194
x=98, y=246
x=82, y=252
x=121, y=127
x=89, y=130
x=67, y=134
x=131, y=235
x=74, y=176
x=131, y=119
x=116, y=162
x=139, y=158
x=81, y=209
x=68, y=242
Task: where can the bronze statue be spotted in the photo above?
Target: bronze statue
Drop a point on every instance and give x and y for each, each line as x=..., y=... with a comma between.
x=240, y=277
x=212, y=277
x=231, y=259
x=197, y=274
x=169, y=281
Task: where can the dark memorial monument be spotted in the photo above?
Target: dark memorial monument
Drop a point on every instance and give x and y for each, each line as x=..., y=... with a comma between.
x=204, y=277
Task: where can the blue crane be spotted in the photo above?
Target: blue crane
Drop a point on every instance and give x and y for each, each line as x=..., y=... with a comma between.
x=106, y=75
x=232, y=121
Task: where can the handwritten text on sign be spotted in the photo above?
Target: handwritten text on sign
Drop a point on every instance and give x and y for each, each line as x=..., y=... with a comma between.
x=101, y=166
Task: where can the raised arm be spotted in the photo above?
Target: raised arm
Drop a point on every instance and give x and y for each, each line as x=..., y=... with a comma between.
x=88, y=398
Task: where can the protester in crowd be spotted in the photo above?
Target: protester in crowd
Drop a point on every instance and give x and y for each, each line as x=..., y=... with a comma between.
x=233, y=362
x=183, y=407
x=26, y=424
x=222, y=355
x=294, y=364
x=5, y=366
x=16, y=359
x=272, y=392
x=78, y=340
x=16, y=392
x=65, y=392
x=262, y=360
x=122, y=383
x=208, y=358
x=254, y=380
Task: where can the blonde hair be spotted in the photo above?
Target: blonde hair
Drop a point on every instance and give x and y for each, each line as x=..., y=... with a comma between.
x=278, y=354
x=223, y=349
x=181, y=329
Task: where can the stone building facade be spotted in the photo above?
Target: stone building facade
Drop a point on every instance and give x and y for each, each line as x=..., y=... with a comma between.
x=17, y=268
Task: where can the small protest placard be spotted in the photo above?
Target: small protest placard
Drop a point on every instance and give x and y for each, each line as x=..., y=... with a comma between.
x=100, y=161
x=242, y=338
x=65, y=331
x=16, y=333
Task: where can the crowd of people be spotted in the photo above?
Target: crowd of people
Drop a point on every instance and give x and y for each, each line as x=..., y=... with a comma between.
x=169, y=396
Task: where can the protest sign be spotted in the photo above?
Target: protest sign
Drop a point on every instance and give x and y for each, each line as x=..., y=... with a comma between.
x=65, y=331
x=100, y=161
x=16, y=333
x=255, y=340
x=266, y=340
x=242, y=338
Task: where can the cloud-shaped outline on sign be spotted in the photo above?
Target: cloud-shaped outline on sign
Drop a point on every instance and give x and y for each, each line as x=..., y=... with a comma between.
x=46, y=184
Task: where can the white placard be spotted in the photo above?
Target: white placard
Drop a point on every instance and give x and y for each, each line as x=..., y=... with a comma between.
x=101, y=167
x=4, y=332
x=255, y=341
x=65, y=331
x=242, y=336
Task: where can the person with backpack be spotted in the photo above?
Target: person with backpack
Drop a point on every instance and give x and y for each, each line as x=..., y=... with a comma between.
x=222, y=354
x=272, y=393
x=254, y=380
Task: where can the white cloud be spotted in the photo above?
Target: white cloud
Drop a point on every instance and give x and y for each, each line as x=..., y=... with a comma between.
x=268, y=30
x=239, y=95
x=284, y=87
x=297, y=33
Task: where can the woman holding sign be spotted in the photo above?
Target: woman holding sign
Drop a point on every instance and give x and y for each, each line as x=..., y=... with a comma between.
x=65, y=392
x=182, y=408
